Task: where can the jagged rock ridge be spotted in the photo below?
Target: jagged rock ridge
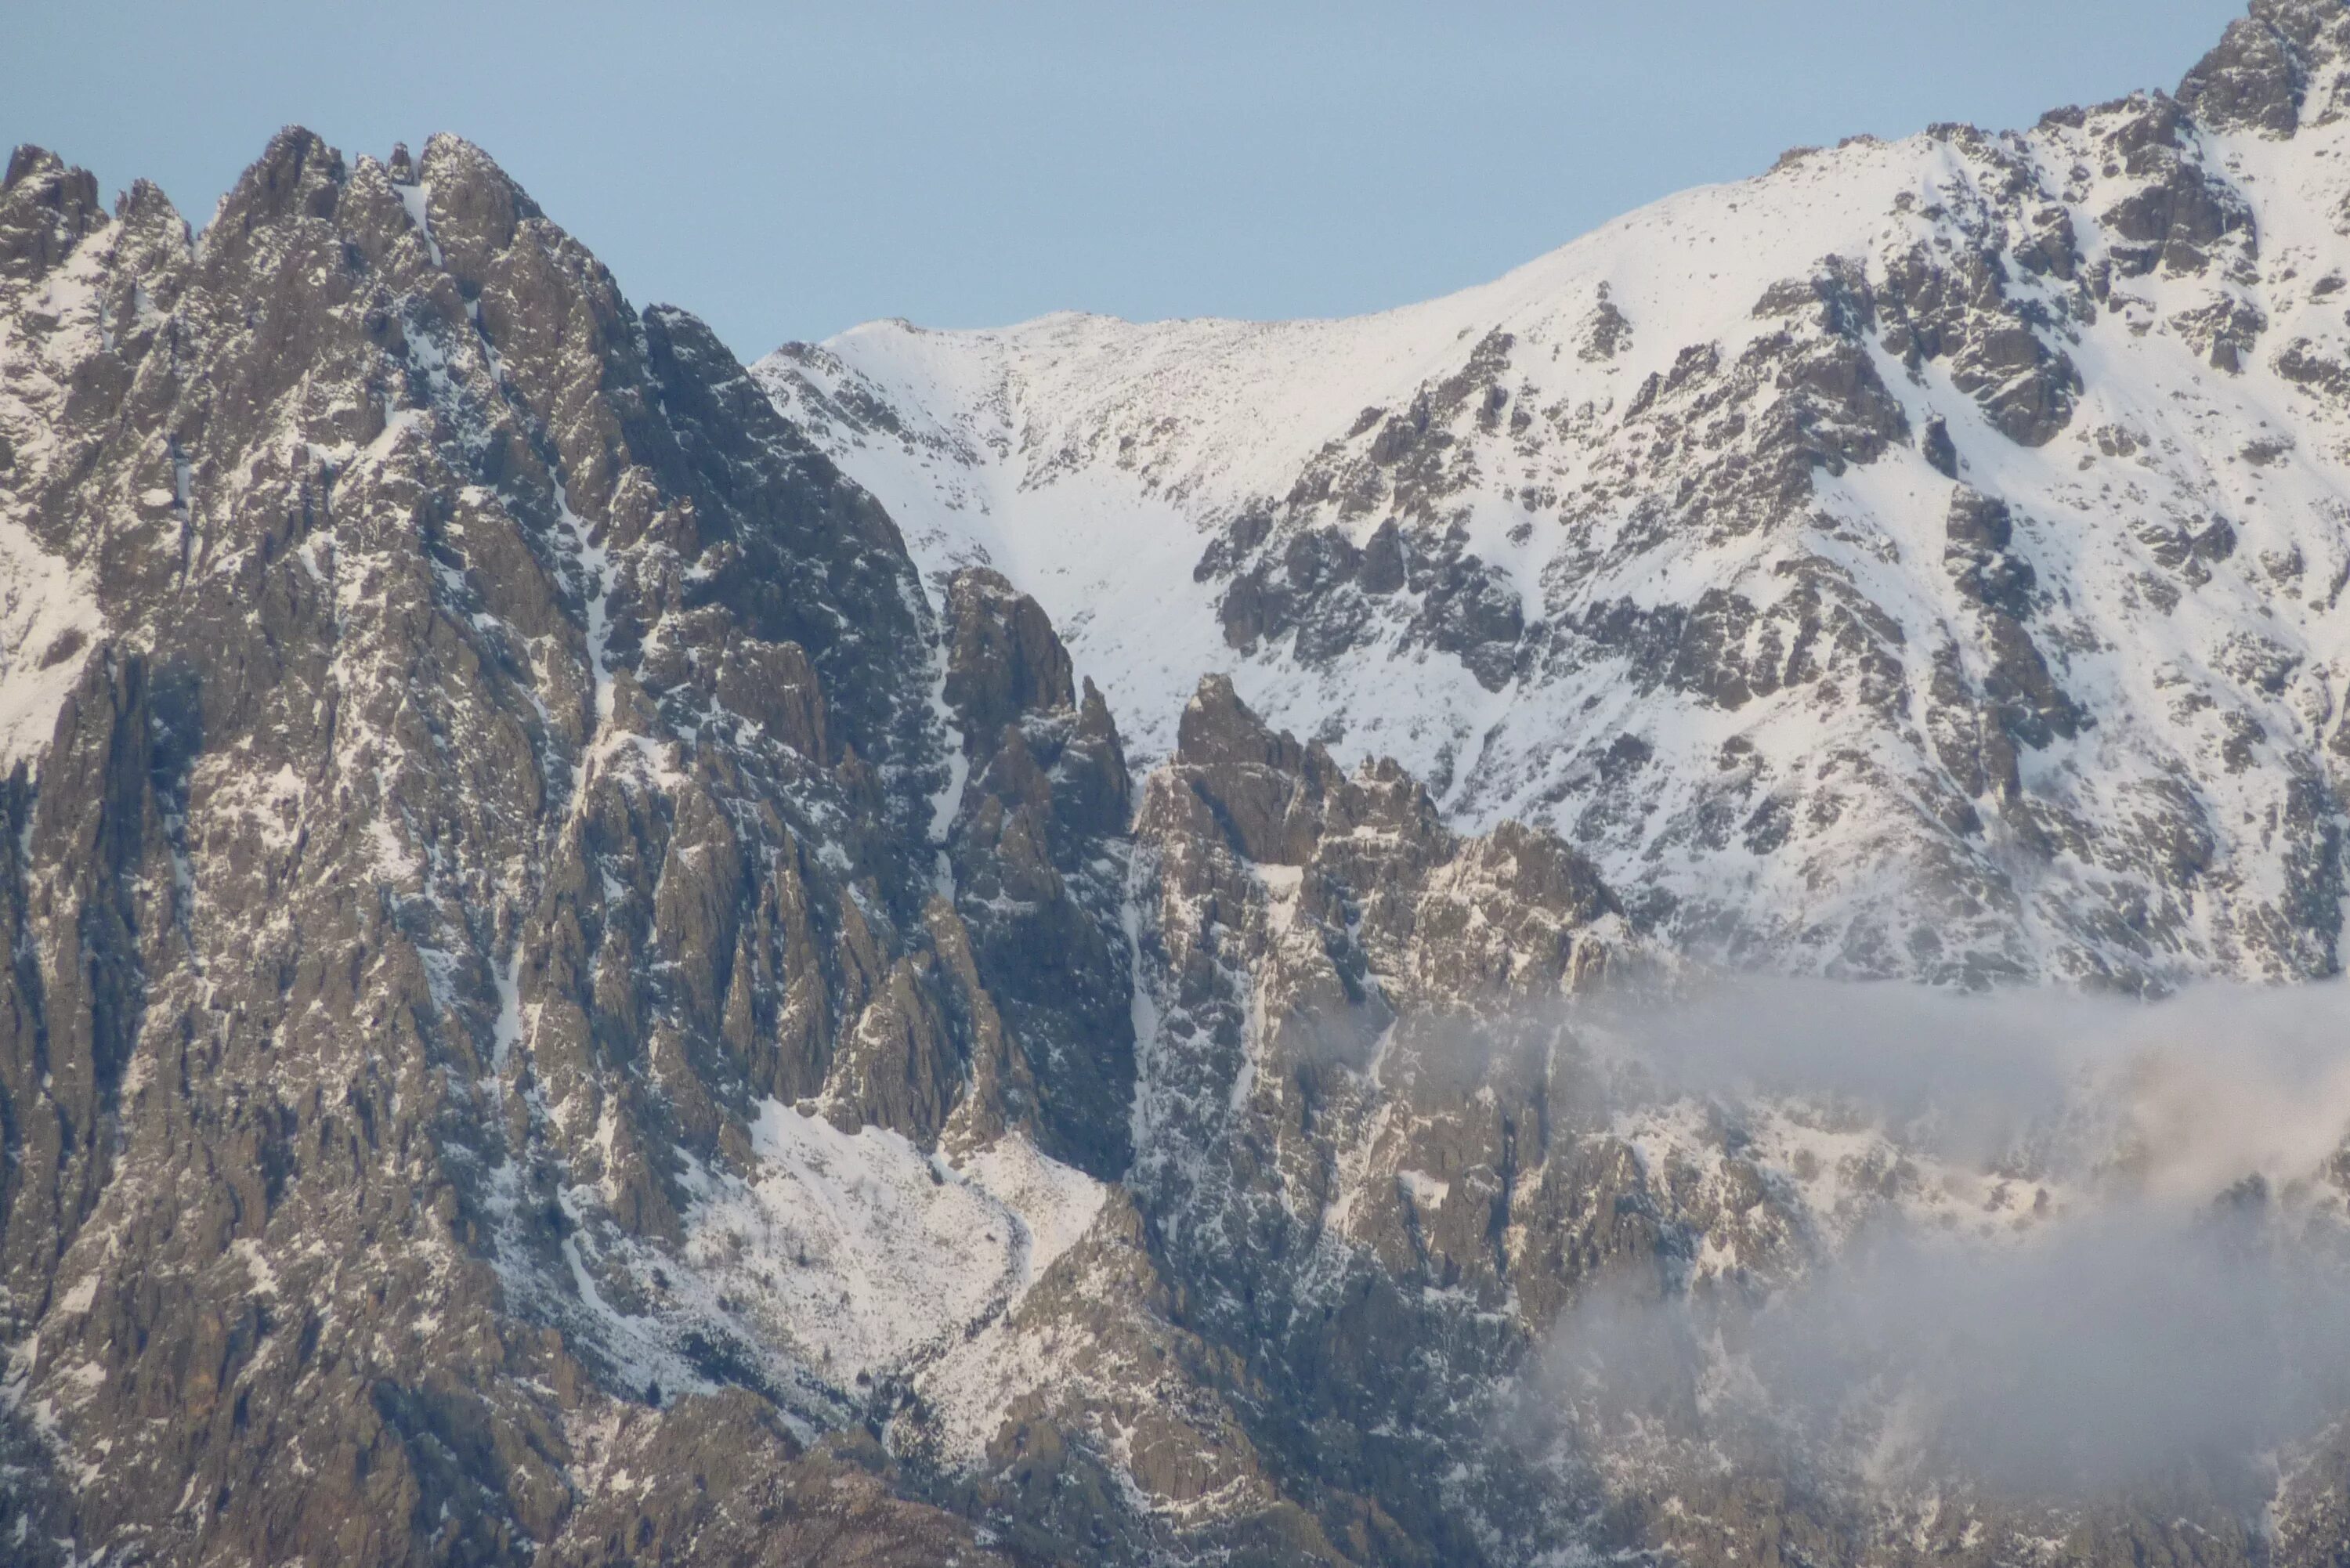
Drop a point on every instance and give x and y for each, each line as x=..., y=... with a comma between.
x=487, y=755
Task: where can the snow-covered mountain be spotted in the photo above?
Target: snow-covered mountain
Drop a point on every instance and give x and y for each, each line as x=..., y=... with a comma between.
x=1924, y=558
x=582, y=990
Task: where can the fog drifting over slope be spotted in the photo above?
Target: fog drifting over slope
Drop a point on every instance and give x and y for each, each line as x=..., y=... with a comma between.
x=2171, y=1100
x=2185, y=1301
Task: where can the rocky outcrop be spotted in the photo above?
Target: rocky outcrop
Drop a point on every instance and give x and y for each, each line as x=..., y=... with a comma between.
x=1037, y=856
x=2261, y=75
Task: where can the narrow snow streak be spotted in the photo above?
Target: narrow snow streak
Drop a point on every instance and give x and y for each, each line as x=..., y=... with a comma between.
x=594, y=569
x=414, y=198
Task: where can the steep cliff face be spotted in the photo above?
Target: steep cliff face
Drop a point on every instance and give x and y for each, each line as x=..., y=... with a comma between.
x=1923, y=559
x=470, y=755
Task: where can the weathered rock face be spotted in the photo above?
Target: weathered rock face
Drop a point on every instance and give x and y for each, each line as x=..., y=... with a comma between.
x=1647, y=542
x=2273, y=68
x=1325, y=1015
x=553, y=991
x=1034, y=851
x=1347, y=1140
x=470, y=754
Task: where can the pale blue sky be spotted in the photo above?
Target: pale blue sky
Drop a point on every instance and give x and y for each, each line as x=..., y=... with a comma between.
x=787, y=171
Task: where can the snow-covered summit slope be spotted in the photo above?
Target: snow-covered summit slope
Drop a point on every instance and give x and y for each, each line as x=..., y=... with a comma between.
x=1923, y=558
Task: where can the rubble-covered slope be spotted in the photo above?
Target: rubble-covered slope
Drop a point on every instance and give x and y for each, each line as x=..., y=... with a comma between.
x=1925, y=558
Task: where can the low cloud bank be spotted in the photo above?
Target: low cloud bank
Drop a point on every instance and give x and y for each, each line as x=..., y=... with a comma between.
x=2187, y=1305
x=2179, y=1097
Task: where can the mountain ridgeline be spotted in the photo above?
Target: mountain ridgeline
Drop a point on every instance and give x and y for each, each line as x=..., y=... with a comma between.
x=1923, y=560
x=616, y=957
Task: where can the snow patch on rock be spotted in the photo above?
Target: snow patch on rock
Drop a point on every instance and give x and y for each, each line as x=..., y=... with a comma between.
x=859, y=1253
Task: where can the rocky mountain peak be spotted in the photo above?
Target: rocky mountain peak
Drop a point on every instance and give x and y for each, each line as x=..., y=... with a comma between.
x=45, y=208
x=1265, y=786
x=472, y=755
x=1004, y=660
x=2276, y=66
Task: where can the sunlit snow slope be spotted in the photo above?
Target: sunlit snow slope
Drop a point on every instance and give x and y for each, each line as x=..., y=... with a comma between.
x=1925, y=557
